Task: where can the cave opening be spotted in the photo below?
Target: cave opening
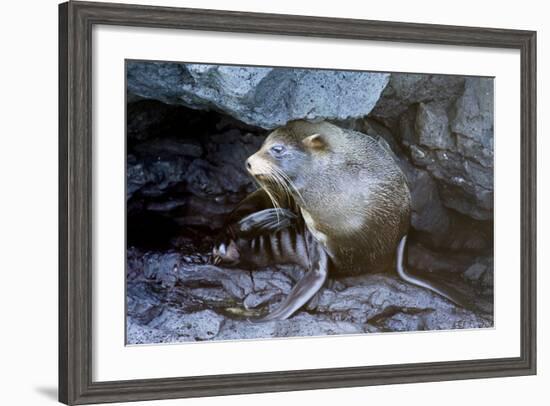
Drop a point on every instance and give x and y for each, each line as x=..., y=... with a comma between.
x=185, y=173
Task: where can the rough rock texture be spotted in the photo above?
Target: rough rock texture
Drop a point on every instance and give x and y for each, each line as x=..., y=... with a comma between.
x=445, y=123
x=171, y=298
x=435, y=224
x=265, y=97
x=185, y=172
x=191, y=179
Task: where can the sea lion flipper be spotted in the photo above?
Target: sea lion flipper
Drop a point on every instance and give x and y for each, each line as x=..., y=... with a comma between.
x=268, y=220
x=305, y=289
x=424, y=283
x=254, y=202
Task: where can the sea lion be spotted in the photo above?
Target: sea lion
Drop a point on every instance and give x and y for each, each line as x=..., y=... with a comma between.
x=338, y=194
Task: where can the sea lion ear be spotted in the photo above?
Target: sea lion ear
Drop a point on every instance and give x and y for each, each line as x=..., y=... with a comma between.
x=315, y=141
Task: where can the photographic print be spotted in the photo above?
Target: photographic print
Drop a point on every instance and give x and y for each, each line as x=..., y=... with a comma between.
x=269, y=202
x=213, y=206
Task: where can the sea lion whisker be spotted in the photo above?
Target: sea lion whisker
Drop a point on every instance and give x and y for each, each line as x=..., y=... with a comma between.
x=289, y=183
x=271, y=195
x=282, y=184
x=286, y=186
x=272, y=174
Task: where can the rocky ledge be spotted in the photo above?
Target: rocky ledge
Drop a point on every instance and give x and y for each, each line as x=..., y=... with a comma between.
x=176, y=297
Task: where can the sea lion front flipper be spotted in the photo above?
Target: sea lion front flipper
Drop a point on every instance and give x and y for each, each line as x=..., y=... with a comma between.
x=305, y=289
x=254, y=202
x=268, y=220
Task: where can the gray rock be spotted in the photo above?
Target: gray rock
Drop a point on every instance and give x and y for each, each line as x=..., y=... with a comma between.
x=435, y=223
x=475, y=272
x=428, y=212
x=446, y=125
x=265, y=97
x=198, y=183
x=197, y=326
x=473, y=120
x=406, y=89
x=429, y=261
x=481, y=272
x=152, y=177
x=162, y=267
x=137, y=333
x=432, y=126
x=256, y=299
x=212, y=303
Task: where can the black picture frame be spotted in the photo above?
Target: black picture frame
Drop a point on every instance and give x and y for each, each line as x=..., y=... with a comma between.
x=76, y=20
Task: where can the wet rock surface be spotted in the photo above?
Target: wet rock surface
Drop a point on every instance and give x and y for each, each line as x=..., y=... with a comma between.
x=185, y=173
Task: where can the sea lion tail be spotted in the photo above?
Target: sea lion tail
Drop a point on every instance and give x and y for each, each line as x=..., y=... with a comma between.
x=416, y=280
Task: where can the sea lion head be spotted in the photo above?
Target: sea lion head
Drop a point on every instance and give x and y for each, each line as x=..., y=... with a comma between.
x=289, y=156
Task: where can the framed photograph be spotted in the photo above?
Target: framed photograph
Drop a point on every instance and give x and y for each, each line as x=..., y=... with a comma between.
x=259, y=202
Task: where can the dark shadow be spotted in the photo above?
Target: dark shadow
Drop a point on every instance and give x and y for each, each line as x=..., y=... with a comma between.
x=49, y=392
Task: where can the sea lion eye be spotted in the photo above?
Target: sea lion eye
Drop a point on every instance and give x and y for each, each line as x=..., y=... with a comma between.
x=278, y=149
